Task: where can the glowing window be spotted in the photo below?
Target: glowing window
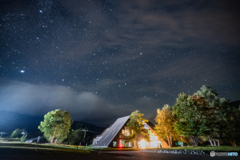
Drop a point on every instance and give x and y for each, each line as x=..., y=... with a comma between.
x=114, y=143
x=120, y=143
x=126, y=131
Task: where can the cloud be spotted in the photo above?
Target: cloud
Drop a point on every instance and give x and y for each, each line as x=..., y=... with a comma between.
x=200, y=68
x=37, y=100
x=181, y=24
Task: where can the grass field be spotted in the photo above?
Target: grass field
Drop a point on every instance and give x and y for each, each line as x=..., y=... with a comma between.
x=46, y=147
x=88, y=149
x=116, y=149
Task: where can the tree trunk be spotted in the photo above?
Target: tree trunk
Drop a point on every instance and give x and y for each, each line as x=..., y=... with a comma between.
x=169, y=143
x=233, y=143
x=192, y=141
x=49, y=140
x=170, y=137
x=182, y=141
x=53, y=136
x=218, y=142
x=210, y=141
x=137, y=141
x=214, y=141
x=196, y=141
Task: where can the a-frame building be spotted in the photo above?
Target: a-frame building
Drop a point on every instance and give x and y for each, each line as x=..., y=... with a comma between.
x=118, y=135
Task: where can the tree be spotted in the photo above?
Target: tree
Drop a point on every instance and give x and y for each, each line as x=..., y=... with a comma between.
x=23, y=138
x=136, y=126
x=191, y=118
x=56, y=125
x=75, y=136
x=233, y=129
x=165, y=124
x=17, y=133
x=222, y=116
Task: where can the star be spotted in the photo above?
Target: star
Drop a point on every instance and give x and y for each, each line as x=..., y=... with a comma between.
x=22, y=71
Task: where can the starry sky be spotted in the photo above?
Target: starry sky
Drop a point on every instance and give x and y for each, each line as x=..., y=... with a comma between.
x=103, y=59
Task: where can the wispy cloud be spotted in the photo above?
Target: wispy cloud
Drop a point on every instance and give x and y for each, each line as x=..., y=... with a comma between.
x=37, y=100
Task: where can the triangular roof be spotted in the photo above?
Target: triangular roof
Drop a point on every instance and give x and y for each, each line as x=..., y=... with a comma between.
x=110, y=133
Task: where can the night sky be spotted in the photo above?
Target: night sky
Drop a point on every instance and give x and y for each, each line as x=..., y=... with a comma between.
x=103, y=59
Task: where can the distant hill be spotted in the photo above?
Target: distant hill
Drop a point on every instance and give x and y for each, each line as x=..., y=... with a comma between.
x=9, y=121
x=96, y=129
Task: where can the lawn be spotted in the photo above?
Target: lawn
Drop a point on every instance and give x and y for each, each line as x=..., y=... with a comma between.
x=116, y=149
x=88, y=149
x=46, y=147
x=59, y=147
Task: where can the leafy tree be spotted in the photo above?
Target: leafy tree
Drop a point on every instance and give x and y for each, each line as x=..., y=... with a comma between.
x=75, y=136
x=136, y=126
x=56, y=125
x=191, y=118
x=223, y=118
x=165, y=124
x=17, y=133
x=210, y=95
x=232, y=129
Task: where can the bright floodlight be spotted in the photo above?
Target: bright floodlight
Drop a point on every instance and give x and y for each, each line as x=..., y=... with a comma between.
x=143, y=144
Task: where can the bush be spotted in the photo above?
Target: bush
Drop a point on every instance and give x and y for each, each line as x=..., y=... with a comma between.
x=17, y=133
x=23, y=138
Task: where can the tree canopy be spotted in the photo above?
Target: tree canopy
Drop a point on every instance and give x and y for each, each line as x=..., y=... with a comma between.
x=17, y=133
x=205, y=115
x=165, y=124
x=191, y=118
x=136, y=126
x=75, y=136
x=224, y=118
x=56, y=125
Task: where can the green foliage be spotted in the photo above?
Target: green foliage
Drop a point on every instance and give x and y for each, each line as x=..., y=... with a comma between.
x=209, y=94
x=213, y=103
x=17, y=133
x=224, y=119
x=23, y=138
x=136, y=126
x=232, y=130
x=75, y=137
x=56, y=125
x=191, y=118
x=165, y=124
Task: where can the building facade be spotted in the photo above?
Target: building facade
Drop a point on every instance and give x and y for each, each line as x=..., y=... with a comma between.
x=118, y=135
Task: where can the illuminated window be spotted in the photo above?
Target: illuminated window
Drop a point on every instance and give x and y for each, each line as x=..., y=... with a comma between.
x=129, y=144
x=123, y=142
x=126, y=131
x=114, y=143
x=126, y=144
